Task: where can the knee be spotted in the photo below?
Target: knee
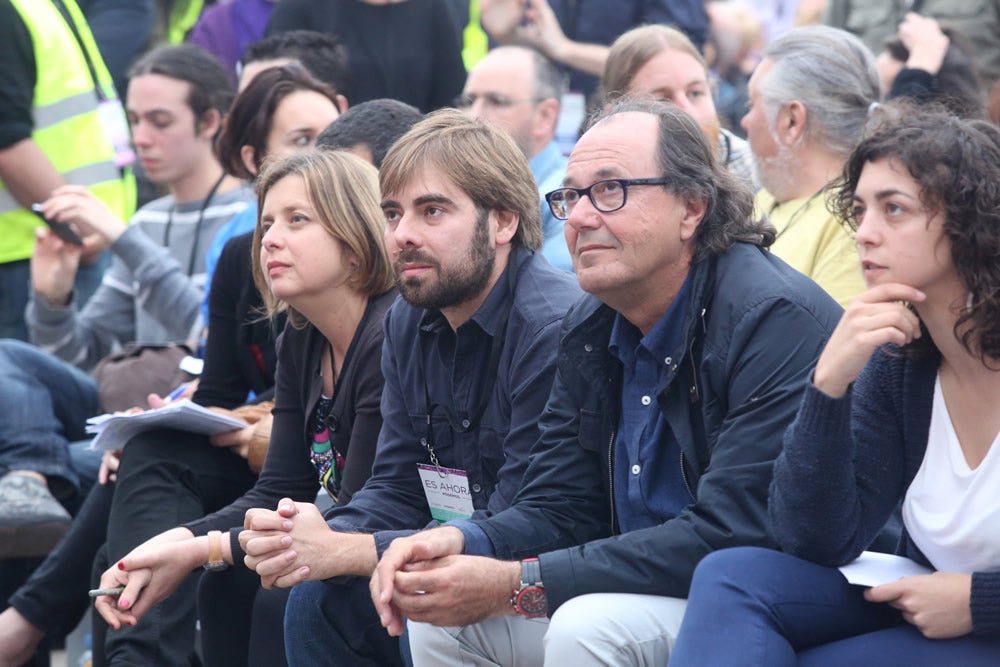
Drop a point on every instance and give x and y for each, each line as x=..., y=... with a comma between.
x=11, y=348
x=306, y=611
x=584, y=620
x=426, y=642
x=16, y=362
x=614, y=628
x=723, y=574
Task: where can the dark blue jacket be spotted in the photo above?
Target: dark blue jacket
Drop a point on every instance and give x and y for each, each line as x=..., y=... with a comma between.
x=753, y=332
x=848, y=462
x=494, y=454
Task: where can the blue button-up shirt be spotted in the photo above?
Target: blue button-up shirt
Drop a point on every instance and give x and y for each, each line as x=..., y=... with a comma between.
x=649, y=485
x=422, y=357
x=549, y=167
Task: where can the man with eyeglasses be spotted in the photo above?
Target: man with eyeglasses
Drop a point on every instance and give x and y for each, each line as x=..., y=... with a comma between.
x=676, y=378
x=519, y=89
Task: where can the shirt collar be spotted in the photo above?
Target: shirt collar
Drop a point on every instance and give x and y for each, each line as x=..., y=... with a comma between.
x=663, y=338
x=546, y=159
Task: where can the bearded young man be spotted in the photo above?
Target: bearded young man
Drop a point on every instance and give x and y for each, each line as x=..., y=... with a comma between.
x=468, y=359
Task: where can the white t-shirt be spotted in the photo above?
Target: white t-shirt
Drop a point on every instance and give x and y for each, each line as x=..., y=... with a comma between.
x=951, y=511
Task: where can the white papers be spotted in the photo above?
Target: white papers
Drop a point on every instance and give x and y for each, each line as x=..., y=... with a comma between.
x=874, y=569
x=113, y=431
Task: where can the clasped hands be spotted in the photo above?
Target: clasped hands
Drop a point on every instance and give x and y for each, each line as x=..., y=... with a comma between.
x=425, y=577
x=294, y=544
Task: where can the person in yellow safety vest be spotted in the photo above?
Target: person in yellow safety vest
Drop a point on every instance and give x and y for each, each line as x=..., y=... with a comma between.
x=60, y=122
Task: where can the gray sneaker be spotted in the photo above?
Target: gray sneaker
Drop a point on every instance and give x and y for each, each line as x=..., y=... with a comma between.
x=31, y=520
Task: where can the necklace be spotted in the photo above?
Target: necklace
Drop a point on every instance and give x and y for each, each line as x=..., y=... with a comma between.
x=797, y=213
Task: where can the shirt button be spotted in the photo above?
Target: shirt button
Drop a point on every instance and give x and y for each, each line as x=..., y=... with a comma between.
x=476, y=488
x=636, y=469
x=646, y=400
x=465, y=423
x=668, y=361
x=588, y=347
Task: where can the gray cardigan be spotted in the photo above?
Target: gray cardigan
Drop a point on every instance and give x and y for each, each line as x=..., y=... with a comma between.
x=147, y=295
x=847, y=463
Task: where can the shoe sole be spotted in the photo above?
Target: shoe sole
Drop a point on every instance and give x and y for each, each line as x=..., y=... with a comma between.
x=31, y=540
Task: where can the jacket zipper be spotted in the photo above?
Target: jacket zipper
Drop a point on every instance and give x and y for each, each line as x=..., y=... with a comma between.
x=695, y=396
x=684, y=476
x=611, y=478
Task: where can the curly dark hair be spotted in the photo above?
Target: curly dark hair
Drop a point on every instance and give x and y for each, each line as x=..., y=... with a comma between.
x=956, y=163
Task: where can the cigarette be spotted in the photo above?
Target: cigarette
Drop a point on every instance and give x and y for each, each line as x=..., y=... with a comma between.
x=116, y=591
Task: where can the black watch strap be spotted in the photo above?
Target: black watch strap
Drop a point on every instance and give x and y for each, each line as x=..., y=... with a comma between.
x=531, y=572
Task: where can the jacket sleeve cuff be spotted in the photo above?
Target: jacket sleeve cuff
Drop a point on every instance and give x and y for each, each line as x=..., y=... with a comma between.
x=384, y=538
x=476, y=541
x=985, y=604
x=557, y=577
x=50, y=314
x=234, y=545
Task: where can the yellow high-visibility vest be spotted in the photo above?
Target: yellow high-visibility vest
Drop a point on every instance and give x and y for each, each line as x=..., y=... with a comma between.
x=66, y=123
x=183, y=17
x=475, y=43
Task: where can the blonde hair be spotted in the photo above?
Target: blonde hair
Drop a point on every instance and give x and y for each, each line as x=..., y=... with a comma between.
x=343, y=189
x=480, y=158
x=633, y=49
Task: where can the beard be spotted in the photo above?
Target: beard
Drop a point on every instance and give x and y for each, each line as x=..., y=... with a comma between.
x=777, y=174
x=711, y=128
x=454, y=285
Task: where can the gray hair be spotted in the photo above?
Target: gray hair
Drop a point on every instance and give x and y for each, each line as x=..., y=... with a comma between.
x=549, y=81
x=832, y=73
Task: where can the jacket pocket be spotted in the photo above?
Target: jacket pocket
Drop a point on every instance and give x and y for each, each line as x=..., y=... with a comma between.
x=591, y=433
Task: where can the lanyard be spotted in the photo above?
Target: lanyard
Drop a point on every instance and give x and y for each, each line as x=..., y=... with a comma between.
x=489, y=380
x=797, y=213
x=197, y=228
x=71, y=24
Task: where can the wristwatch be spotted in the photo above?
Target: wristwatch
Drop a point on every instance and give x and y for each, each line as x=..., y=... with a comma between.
x=529, y=600
x=215, y=561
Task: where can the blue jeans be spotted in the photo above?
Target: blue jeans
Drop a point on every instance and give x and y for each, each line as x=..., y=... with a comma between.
x=46, y=405
x=753, y=606
x=15, y=287
x=15, y=282
x=333, y=622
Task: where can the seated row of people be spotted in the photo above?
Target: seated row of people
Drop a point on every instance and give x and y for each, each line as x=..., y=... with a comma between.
x=676, y=266
x=607, y=530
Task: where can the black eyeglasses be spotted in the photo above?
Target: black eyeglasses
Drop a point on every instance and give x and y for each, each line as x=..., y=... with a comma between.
x=492, y=100
x=607, y=196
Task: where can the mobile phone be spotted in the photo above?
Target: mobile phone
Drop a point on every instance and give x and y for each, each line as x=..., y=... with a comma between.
x=60, y=229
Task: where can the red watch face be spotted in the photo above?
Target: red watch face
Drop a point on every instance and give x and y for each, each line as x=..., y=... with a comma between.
x=531, y=602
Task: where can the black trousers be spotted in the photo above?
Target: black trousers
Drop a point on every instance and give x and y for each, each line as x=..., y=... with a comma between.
x=242, y=624
x=54, y=598
x=166, y=478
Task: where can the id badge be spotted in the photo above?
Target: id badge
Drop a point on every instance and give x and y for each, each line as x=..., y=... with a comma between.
x=447, y=492
x=112, y=117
